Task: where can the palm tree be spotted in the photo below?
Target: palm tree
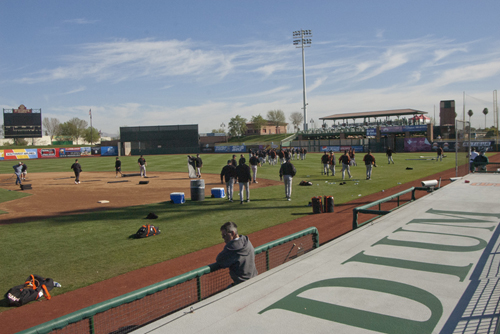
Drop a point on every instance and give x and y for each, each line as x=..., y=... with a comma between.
x=485, y=112
x=470, y=113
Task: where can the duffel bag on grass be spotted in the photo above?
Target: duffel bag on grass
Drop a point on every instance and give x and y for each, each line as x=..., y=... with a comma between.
x=34, y=288
x=147, y=231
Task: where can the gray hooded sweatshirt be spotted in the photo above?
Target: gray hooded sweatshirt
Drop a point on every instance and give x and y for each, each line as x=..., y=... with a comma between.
x=239, y=257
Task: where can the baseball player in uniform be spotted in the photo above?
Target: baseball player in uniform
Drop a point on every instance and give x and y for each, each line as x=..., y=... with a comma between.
x=77, y=169
x=142, y=165
x=118, y=167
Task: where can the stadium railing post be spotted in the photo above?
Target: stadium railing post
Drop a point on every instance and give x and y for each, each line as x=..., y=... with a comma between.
x=198, y=287
x=91, y=325
x=267, y=260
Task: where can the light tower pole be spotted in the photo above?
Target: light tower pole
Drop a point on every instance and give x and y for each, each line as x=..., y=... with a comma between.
x=91, y=134
x=302, y=39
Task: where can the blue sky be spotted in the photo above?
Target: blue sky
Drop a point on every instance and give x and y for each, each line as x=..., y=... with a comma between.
x=138, y=63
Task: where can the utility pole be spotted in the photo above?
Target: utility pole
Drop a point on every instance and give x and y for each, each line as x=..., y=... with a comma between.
x=91, y=135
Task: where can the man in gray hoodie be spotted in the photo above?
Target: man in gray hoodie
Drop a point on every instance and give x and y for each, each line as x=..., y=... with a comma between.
x=18, y=170
x=238, y=254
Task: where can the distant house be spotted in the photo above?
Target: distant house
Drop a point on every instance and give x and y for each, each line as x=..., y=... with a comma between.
x=268, y=129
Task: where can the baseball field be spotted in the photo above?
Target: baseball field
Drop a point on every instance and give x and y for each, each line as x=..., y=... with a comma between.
x=58, y=229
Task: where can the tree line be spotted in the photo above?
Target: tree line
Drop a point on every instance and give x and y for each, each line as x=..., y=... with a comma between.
x=237, y=125
x=75, y=128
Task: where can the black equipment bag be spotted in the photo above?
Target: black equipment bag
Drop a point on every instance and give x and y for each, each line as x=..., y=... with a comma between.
x=328, y=204
x=34, y=288
x=147, y=231
x=317, y=204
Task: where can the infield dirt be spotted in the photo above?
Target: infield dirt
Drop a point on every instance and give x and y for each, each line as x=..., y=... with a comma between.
x=56, y=194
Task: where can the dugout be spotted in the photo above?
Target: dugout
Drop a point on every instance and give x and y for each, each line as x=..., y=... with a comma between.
x=160, y=139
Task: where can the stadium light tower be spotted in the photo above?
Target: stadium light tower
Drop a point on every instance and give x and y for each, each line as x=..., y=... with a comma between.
x=302, y=39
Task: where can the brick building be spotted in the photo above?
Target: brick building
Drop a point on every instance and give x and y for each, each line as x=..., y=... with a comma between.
x=268, y=129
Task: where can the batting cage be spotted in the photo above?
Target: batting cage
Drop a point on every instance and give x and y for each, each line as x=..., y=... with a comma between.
x=161, y=139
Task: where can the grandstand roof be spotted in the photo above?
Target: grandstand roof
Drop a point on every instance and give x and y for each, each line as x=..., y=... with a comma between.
x=366, y=114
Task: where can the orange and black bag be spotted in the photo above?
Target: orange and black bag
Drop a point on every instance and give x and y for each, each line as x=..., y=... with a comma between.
x=328, y=204
x=147, y=231
x=317, y=204
x=34, y=288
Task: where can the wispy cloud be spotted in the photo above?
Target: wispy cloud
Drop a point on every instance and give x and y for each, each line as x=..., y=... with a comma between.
x=468, y=73
x=80, y=21
x=444, y=53
x=271, y=92
x=122, y=60
x=77, y=90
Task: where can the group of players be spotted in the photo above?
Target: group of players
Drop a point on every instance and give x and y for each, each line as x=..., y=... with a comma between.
x=244, y=174
x=347, y=160
x=272, y=155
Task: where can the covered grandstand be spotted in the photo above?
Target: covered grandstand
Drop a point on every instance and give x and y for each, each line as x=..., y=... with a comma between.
x=375, y=130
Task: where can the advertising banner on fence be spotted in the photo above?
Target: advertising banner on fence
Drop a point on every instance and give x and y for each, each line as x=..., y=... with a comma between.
x=69, y=152
x=337, y=148
x=415, y=128
x=48, y=153
x=96, y=151
x=221, y=149
x=109, y=150
x=480, y=144
x=85, y=151
x=447, y=146
x=372, y=132
x=390, y=129
x=23, y=153
x=231, y=149
x=330, y=148
x=417, y=145
x=75, y=152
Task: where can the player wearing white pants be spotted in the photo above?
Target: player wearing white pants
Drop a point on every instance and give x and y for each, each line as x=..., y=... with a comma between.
x=288, y=186
x=230, y=189
x=254, y=163
x=287, y=172
x=244, y=177
x=345, y=161
x=228, y=174
x=142, y=166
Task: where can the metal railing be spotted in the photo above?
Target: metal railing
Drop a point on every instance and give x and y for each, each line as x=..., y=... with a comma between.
x=116, y=314
x=379, y=212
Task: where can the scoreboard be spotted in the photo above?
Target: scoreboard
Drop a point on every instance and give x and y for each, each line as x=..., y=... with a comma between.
x=22, y=123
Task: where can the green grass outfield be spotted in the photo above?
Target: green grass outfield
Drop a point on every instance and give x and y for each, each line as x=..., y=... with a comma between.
x=83, y=249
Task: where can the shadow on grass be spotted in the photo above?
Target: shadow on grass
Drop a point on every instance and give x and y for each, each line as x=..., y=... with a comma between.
x=180, y=211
